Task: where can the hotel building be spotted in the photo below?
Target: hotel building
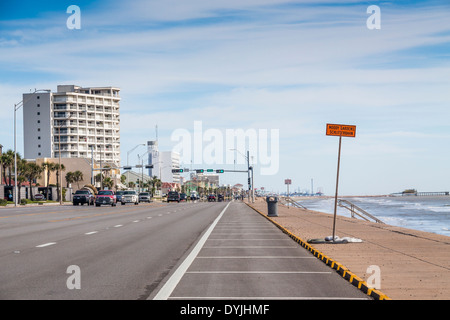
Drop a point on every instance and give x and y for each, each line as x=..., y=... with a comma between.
x=75, y=122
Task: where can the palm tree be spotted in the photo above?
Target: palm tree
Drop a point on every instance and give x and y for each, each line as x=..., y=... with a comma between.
x=21, y=172
x=33, y=172
x=77, y=177
x=58, y=169
x=108, y=183
x=49, y=167
x=69, y=178
x=4, y=164
x=7, y=160
x=156, y=183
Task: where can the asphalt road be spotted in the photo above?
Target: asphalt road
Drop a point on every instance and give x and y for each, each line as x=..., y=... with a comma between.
x=156, y=251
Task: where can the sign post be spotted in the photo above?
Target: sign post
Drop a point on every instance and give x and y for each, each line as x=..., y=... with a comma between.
x=287, y=182
x=339, y=130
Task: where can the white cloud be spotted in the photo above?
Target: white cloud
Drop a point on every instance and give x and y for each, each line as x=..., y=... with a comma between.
x=294, y=68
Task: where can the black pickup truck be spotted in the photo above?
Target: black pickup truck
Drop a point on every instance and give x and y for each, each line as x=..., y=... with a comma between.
x=173, y=196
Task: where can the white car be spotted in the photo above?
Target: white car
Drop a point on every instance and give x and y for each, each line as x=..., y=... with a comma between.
x=130, y=196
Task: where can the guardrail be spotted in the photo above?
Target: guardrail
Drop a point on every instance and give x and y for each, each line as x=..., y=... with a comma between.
x=355, y=210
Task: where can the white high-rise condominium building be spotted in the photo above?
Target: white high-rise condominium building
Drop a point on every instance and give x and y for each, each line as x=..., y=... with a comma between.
x=74, y=121
x=163, y=163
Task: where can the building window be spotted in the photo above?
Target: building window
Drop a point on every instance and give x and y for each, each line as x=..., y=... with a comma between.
x=38, y=113
x=37, y=97
x=39, y=129
x=39, y=154
x=39, y=145
x=39, y=137
x=38, y=105
x=39, y=121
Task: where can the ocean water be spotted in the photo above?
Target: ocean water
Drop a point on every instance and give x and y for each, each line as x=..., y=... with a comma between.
x=430, y=214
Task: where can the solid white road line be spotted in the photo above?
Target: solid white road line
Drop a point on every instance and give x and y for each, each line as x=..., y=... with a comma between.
x=254, y=257
x=260, y=272
x=267, y=298
x=170, y=285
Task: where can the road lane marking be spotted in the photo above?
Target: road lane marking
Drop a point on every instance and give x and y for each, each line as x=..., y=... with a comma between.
x=259, y=272
x=92, y=232
x=136, y=220
x=265, y=298
x=254, y=257
x=46, y=244
x=118, y=225
x=252, y=247
x=231, y=239
x=165, y=292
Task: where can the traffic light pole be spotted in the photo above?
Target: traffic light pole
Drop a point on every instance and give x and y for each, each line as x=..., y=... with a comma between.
x=249, y=181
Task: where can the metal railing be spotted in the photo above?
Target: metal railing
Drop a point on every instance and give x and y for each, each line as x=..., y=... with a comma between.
x=289, y=201
x=355, y=210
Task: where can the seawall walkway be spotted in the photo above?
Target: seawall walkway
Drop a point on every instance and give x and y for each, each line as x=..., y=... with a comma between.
x=413, y=265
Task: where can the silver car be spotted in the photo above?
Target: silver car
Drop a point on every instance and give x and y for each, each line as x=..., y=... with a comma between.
x=145, y=197
x=130, y=196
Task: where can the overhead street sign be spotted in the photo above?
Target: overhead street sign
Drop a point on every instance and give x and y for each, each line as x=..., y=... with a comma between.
x=342, y=130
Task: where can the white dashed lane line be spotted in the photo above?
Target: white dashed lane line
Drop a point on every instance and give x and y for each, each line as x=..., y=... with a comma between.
x=95, y=231
x=46, y=244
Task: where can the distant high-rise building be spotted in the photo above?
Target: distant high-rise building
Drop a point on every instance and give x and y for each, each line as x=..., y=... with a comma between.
x=163, y=162
x=75, y=122
x=152, y=148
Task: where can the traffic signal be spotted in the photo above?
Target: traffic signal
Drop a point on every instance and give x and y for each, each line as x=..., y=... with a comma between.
x=177, y=170
x=149, y=166
x=126, y=168
x=199, y=170
x=220, y=171
x=209, y=170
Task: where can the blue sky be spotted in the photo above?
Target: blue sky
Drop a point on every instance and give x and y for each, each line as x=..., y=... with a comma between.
x=258, y=64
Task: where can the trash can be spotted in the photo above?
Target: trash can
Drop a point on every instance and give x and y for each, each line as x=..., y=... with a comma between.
x=272, y=206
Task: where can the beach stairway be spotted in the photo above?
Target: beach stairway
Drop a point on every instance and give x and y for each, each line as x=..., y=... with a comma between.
x=288, y=201
x=355, y=210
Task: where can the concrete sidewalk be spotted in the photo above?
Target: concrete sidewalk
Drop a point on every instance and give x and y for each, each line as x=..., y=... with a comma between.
x=414, y=265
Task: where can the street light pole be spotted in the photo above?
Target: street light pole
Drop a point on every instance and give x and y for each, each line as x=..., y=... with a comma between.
x=17, y=107
x=250, y=180
x=128, y=153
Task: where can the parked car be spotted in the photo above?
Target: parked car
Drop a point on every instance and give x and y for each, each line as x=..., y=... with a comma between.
x=183, y=197
x=173, y=196
x=212, y=197
x=106, y=197
x=83, y=196
x=39, y=196
x=119, y=195
x=145, y=197
x=194, y=195
x=130, y=196
x=220, y=197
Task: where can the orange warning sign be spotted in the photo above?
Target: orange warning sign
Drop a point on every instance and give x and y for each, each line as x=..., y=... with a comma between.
x=341, y=130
